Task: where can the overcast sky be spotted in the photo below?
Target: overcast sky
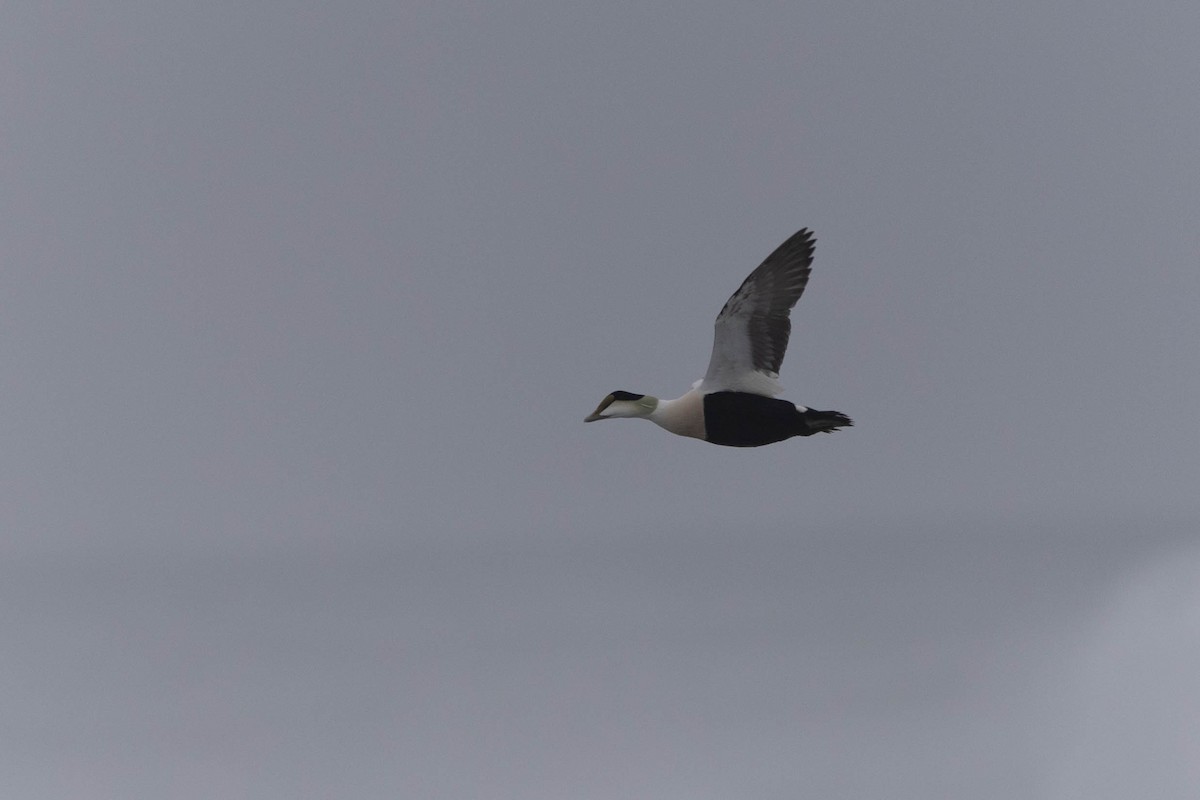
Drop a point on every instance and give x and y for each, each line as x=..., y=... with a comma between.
x=302, y=306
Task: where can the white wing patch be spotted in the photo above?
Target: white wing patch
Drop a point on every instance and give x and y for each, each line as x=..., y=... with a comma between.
x=751, y=333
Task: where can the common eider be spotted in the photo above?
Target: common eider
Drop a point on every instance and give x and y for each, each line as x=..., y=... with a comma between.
x=734, y=404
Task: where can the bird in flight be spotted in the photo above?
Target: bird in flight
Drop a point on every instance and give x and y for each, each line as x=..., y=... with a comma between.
x=734, y=404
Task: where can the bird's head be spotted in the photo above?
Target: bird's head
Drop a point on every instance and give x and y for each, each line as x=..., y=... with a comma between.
x=623, y=404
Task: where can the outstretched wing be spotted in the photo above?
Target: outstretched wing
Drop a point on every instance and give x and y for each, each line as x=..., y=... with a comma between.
x=752, y=330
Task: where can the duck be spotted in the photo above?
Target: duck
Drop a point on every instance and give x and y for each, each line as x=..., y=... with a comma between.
x=735, y=404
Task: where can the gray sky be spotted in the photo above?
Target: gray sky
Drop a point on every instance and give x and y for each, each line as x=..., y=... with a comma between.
x=302, y=306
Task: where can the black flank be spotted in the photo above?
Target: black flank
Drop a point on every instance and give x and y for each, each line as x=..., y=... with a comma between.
x=738, y=419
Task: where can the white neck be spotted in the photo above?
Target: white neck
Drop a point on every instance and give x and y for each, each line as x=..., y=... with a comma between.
x=683, y=416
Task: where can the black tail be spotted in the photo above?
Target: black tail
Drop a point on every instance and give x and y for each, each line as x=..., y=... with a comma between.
x=813, y=421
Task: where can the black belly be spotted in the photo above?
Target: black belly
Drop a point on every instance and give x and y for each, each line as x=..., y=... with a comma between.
x=737, y=419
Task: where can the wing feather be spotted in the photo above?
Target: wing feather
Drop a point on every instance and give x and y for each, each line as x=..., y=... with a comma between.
x=751, y=333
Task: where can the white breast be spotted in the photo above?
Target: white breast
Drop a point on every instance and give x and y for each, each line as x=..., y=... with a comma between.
x=683, y=416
